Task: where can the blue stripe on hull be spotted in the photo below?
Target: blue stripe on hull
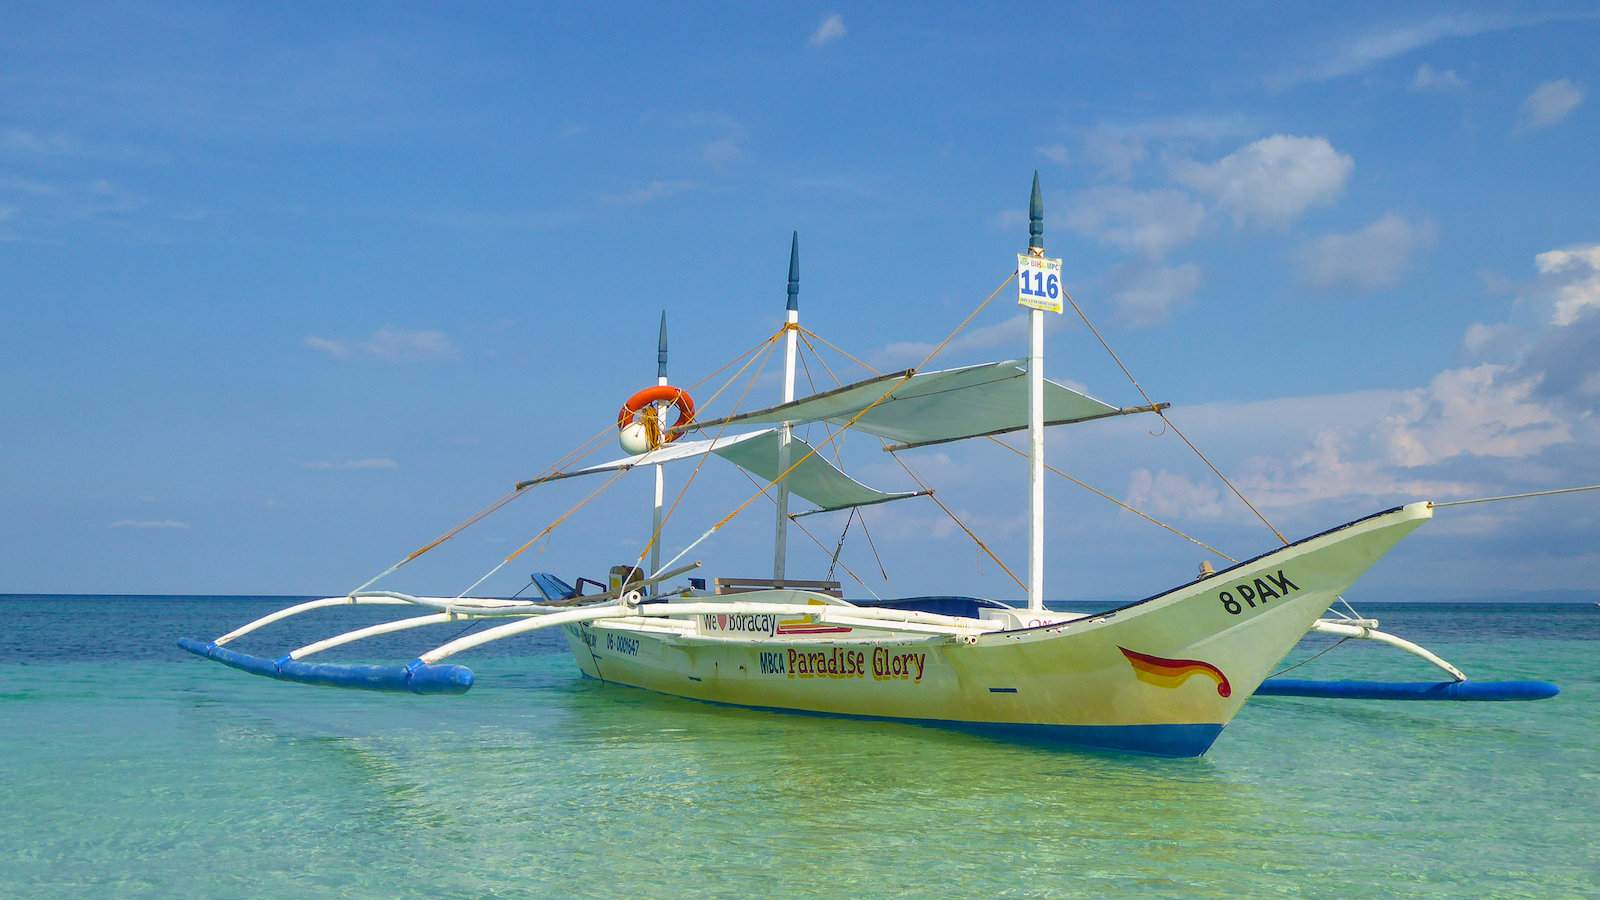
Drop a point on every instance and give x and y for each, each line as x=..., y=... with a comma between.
x=1154, y=740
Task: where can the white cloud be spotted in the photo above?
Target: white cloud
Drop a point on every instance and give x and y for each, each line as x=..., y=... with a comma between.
x=831, y=29
x=40, y=203
x=1564, y=359
x=98, y=198
x=1271, y=181
x=727, y=144
x=1550, y=103
x=1467, y=523
x=1149, y=222
x=1560, y=357
x=1056, y=153
x=1116, y=152
x=28, y=186
x=717, y=153
x=328, y=347
x=1472, y=430
x=17, y=140
x=1577, y=269
x=659, y=189
x=1371, y=258
x=1372, y=47
x=1430, y=79
x=1326, y=472
x=149, y=523
x=1147, y=294
x=719, y=141
x=376, y=463
x=399, y=345
x=1483, y=339
x=1009, y=219
x=1011, y=334
x=514, y=218
x=1117, y=148
x=390, y=345
x=1167, y=494
x=1484, y=410
x=722, y=152
x=1392, y=445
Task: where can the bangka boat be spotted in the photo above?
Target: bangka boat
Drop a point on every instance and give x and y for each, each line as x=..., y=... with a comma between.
x=1163, y=675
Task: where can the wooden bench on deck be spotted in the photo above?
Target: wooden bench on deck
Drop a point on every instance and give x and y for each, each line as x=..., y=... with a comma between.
x=743, y=585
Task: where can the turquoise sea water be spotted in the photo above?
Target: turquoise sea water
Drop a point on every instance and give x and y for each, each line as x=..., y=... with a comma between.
x=132, y=768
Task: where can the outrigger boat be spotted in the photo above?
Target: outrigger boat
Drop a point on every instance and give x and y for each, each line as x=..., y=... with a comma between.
x=1163, y=675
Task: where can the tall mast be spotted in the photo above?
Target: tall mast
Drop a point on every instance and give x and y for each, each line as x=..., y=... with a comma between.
x=791, y=335
x=1036, y=416
x=661, y=379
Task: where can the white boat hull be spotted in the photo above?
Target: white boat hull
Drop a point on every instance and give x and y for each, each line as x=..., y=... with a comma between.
x=1164, y=675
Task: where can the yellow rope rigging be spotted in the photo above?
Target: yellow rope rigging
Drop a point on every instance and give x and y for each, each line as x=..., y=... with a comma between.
x=574, y=455
x=1102, y=494
x=766, y=356
x=585, y=448
x=899, y=382
x=761, y=351
x=978, y=541
x=1076, y=481
x=1165, y=419
x=959, y=524
x=807, y=532
x=547, y=529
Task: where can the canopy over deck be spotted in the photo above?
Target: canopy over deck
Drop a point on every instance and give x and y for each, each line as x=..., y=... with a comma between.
x=816, y=479
x=935, y=407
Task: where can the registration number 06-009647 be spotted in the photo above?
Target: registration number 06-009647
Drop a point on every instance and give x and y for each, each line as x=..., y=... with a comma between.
x=1257, y=592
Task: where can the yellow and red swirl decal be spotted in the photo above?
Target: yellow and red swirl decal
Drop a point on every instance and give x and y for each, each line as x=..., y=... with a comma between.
x=1169, y=673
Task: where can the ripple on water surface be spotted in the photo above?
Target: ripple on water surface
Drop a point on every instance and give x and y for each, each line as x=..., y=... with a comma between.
x=136, y=769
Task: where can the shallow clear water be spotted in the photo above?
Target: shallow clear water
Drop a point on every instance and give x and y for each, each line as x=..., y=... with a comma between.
x=133, y=768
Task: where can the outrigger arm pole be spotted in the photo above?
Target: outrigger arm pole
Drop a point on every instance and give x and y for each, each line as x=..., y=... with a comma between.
x=932, y=624
x=1366, y=632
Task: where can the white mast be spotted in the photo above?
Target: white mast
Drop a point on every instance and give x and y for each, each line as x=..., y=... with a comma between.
x=791, y=335
x=1036, y=416
x=655, y=527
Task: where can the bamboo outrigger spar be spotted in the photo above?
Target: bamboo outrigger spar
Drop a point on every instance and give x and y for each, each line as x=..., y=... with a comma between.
x=1163, y=675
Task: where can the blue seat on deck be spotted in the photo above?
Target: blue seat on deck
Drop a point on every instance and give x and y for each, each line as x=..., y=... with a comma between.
x=552, y=587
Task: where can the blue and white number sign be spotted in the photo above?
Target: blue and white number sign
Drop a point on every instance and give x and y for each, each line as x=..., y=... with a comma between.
x=1039, y=282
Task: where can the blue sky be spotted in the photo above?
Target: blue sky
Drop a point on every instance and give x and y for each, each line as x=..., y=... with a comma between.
x=286, y=291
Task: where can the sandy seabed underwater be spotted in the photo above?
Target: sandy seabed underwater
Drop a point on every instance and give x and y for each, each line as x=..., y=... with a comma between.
x=134, y=769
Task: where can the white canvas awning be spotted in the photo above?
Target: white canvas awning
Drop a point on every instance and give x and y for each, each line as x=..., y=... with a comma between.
x=935, y=407
x=816, y=479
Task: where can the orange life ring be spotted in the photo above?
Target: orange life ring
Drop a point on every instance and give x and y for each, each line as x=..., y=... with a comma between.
x=675, y=397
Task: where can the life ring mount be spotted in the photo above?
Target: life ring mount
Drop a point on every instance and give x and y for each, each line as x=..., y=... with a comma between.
x=640, y=433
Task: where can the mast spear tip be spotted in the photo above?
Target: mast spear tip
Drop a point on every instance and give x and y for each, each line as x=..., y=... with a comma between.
x=794, y=272
x=661, y=348
x=1036, y=216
